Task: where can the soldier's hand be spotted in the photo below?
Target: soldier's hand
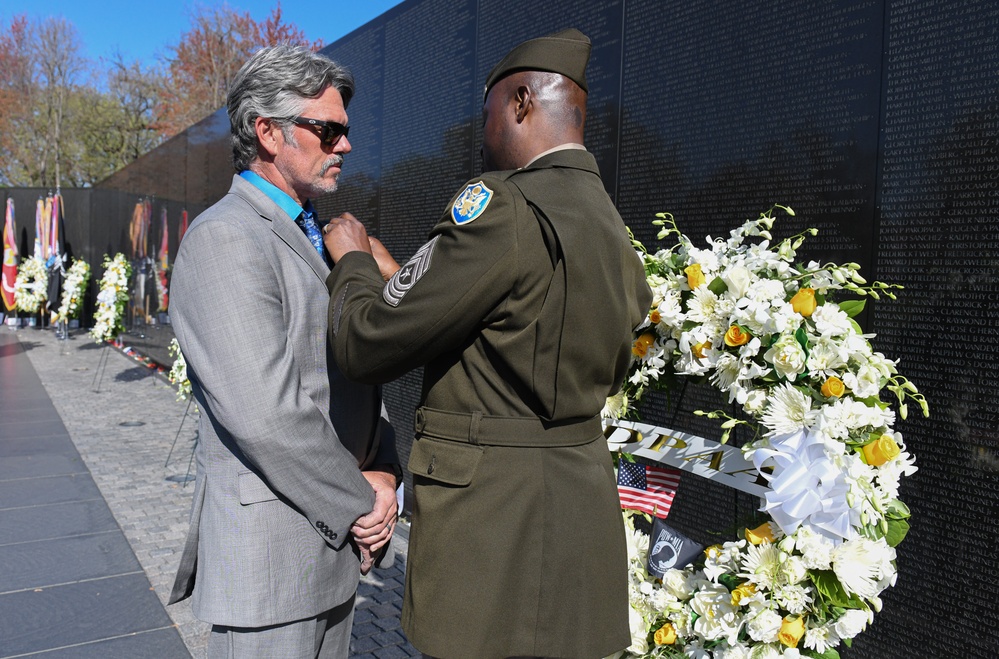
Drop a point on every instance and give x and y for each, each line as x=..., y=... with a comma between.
x=345, y=234
x=386, y=264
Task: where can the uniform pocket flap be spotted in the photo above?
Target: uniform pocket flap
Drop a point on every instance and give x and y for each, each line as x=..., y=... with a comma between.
x=448, y=462
x=252, y=489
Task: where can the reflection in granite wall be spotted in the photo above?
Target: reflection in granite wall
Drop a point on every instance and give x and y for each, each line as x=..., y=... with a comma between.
x=877, y=120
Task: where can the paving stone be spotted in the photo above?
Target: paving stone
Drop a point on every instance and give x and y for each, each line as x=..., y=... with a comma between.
x=129, y=467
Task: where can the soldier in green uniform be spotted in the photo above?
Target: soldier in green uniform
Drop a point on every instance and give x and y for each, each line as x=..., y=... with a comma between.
x=521, y=308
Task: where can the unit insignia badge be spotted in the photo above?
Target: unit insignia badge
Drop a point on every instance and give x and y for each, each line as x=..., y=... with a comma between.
x=471, y=203
x=409, y=274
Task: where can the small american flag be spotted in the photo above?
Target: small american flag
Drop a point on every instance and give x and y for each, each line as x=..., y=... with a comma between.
x=647, y=488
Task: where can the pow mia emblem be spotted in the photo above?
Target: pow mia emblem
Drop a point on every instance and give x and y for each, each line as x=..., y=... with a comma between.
x=671, y=549
x=409, y=274
x=471, y=203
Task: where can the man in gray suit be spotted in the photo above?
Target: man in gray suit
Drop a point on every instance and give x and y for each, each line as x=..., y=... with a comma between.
x=296, y=467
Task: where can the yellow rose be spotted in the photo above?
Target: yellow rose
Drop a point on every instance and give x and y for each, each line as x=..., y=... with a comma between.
x=760, y=534
x=713, y=551
x=803, y=301
x=881, y=450
x=695, y=277
x=642, y=344
x=654, y=317
x=665, y=635
x=699, y=348
x=833, y=387
x=735, y=337
x=791, y=631
x=744, y=590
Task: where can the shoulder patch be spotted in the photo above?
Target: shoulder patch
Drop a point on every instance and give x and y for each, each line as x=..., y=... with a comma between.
x=404, y=279
x=471, y=203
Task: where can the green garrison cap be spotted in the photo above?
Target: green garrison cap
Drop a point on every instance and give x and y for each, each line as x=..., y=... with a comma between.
x=564, y=52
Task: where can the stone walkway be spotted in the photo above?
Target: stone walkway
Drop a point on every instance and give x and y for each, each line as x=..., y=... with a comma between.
x=124, y=431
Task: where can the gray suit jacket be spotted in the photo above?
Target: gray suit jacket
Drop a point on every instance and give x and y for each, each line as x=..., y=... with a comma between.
x=282, y=432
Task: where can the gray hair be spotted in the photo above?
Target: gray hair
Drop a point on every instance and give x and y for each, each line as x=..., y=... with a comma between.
x=275, y=82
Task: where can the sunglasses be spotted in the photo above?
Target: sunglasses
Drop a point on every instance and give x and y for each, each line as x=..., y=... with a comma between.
x=331, y=131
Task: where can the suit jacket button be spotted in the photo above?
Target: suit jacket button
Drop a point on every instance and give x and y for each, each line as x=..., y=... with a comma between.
x=333, y=536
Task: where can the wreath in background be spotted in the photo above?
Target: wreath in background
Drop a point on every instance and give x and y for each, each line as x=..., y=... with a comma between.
x=31, y=285
x=73, y=290
x=112, y=299
x=770, y=333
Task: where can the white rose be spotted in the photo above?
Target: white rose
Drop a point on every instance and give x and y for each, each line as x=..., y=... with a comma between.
x=738, y=279
x=787, y=356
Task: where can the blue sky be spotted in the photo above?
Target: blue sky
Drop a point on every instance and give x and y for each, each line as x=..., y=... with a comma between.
x=144, y=30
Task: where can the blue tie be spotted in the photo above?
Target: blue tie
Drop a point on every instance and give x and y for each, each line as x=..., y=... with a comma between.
x=308, y=223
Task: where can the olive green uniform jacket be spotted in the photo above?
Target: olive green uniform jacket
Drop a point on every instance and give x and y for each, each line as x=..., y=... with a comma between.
x=521, y=307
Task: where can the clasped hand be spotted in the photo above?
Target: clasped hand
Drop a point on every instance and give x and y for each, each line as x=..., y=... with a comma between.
x=372, y=531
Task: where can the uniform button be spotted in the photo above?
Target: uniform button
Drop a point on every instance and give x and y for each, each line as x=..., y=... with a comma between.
x=433, y=460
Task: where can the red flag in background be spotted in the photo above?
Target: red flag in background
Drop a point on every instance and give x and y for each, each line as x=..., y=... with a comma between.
x=9, y=257
x=646, y=488
x=183, y=226
x=162, y=287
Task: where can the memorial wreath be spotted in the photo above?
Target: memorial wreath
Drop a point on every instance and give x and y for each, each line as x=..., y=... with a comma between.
x=31, y=285
x=178, y=371
x=73, y=290
x=112, y=298
x=804, y=381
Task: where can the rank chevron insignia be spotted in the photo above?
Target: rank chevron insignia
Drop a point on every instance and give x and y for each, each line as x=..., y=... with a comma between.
x=471, y=203
x=409, y=274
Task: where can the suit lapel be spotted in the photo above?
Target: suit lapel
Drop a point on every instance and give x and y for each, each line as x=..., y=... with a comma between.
x=283, y=226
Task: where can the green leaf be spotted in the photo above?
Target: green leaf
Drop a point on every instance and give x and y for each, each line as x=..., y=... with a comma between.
x=898, y=510
x=830, y=653
x=897, y=529
x=802, y=337
x=856, y=326
x=831, y=590
x=730, y=581
x=717, y=286
x=852, y=308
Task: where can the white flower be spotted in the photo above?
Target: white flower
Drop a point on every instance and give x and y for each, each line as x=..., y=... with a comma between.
x=789, y=411
x=793, y=598
x=765, y=651
x=815, y=548
x=763, y=624
x=762, y=565
x=726, y=651
x=677, y=583
x=738, y=279
x=787, y=356
x=821, y=638
x=831, y=321
x=639, y=632
x=865, y=383
x=756, y=400
x=794, y=570
x=718, y=617
x=857, y=564
x=825, y=358
x=703, y=305
x=615, y=407
x=851, y=623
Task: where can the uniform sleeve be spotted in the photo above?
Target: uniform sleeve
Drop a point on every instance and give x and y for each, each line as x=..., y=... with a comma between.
x=229, y=318
x=455, y=282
